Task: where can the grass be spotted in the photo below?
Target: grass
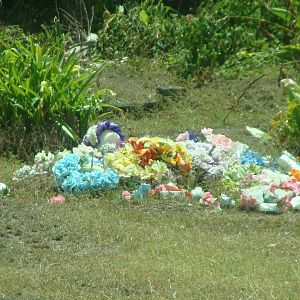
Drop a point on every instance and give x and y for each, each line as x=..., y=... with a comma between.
x=200, y=107
x=98, y=246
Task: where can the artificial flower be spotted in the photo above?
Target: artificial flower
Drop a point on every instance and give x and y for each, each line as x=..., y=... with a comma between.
x=287, y=162
x=91, y=139
x=126, y=195
x=90, y=181
x=182, y=137
x=251, y=157
x=188, y=135
x=207, y=199
x=147, y=158
x=235, y=174
x=3, y=189
x=296, y=174
x=217, y=139
x=208, y=161
x=142, y=192
x=171, y=191
x=57, y=199
x=83, y=149
x=70, y=176
x=226, y=200
x=127, y=162
x=197, y=192
x=104, y=133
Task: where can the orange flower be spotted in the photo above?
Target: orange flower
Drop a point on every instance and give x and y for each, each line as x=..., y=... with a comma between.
x=296, y=174
x=136, y=144
x=186, y=168
x=149, y=150
x=147, y=156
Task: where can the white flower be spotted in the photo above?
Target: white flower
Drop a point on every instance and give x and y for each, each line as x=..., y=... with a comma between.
x=91, y=135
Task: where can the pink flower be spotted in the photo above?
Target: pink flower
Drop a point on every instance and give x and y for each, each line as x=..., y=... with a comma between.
x=126, y=195
x=207, y=199
x=222, y=140
x=291, y=184
x=57, y=199
x=248, y=202
x=182, y=137
x=217, y=139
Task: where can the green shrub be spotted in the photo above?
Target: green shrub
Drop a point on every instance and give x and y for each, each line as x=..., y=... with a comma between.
x=43, y=89
x=193, y=43
x=219, y=32
x=144, y=30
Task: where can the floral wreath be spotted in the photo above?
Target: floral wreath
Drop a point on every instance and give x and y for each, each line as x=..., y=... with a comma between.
x=98, y=129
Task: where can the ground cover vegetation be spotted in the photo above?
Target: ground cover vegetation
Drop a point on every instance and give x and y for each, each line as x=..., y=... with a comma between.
x=57, y=79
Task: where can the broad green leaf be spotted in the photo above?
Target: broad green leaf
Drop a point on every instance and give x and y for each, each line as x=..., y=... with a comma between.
x=259, y=134
x=66, y=128
x=292, y=88
x=298, y=21
x=296, y=118
x=289, y=52
x=293, y=116
x=282, y=13
x=144, y=17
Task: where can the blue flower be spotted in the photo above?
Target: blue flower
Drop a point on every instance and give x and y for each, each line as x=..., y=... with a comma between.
x=251, y=157
x=142, y=191
x=193, y=136
x=65, y=166
x=90, y=181
x=70, y=179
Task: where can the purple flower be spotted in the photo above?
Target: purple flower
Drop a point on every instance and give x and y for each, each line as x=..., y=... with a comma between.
x=102, y=126
x=193, y=137
x=109, y=126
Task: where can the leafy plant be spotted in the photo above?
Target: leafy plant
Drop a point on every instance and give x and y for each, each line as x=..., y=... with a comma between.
x=193, y=44
x=286, y=25
x=142, y=30
x=43, y=88
x=286, y=125
x=9, y=35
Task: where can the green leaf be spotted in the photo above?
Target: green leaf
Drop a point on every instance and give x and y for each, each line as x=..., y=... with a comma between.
x=289, y=52
x=293, y=116
x=282, y=13
x=292, y=88
x=66, y=128
x=88, y=81
x=296, y=119
x=144, y=17
x=259, y=134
